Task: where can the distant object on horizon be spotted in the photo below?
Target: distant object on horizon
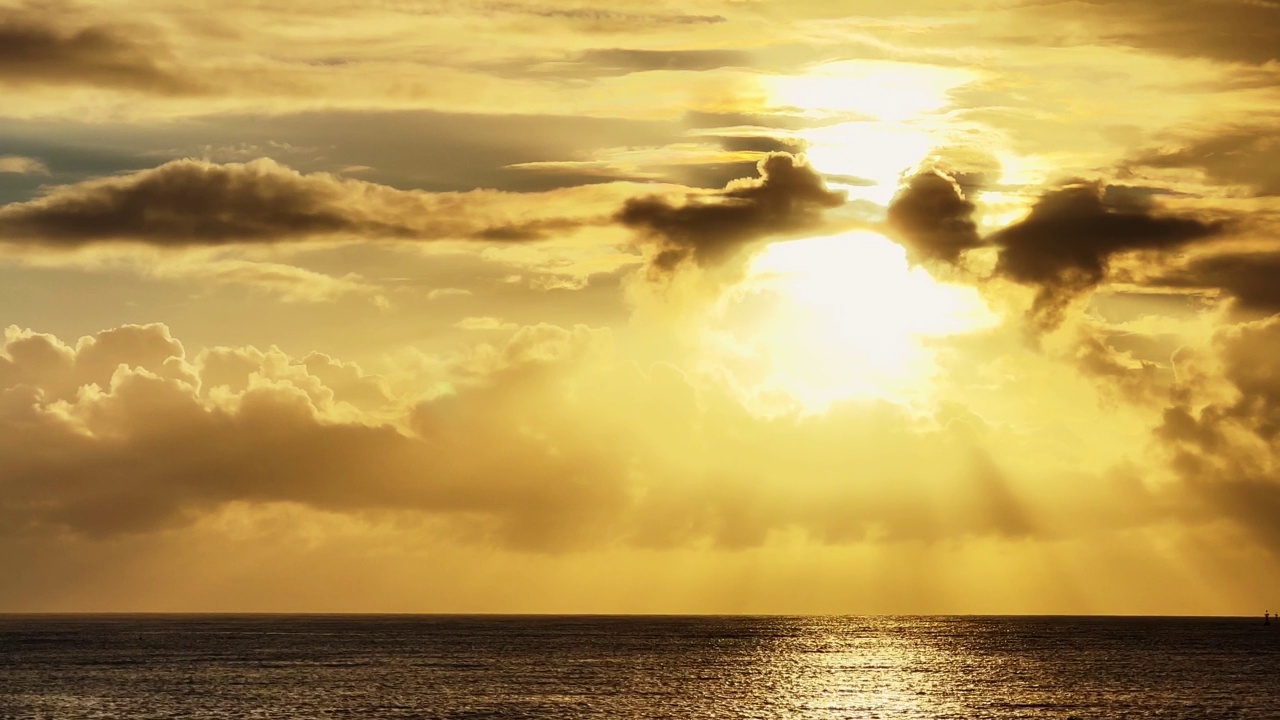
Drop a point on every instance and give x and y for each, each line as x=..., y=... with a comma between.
x=1266, y=618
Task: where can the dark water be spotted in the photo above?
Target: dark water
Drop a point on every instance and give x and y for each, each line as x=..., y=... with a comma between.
x=624, y=668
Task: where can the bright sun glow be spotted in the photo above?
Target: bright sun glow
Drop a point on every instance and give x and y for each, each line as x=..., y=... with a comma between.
x=876, y=89
x=895, y=108
x=832, y=318
x=873, y=152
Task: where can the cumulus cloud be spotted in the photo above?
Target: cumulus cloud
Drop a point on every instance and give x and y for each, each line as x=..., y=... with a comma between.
x=932, y=217
x=1065, y=244
x=36, y=50
x=550, y=441
x=148, y=438
x=789, y=197
x=192, y=202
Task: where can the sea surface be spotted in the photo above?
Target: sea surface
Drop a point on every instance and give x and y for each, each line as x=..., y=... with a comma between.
x=625, y=668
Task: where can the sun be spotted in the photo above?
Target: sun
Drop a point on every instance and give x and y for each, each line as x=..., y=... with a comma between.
x=878, y=119
x=821, y=320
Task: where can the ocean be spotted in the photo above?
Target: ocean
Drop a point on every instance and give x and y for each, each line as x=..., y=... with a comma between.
x=625, y=668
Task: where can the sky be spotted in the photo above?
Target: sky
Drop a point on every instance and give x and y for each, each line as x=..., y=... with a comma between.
x=566, y=306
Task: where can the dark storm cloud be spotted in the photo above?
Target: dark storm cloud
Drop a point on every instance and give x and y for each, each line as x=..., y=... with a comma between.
x=1251, y=279
x=933, y=219
x=788, y=197
x=1237, y=155
x=1064, y=245
x=188, y=202
x=34, y=50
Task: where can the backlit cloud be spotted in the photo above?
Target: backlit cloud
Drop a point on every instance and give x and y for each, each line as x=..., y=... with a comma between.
x=190, y=202
x=788, y=197
x=933, y=219
x=1065, y=243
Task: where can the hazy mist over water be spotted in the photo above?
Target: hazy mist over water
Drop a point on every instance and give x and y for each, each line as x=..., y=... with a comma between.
x=456, y=667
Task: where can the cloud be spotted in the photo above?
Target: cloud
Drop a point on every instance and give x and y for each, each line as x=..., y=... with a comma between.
x=466, y=150
x=43, y=363
x=20, y=165
x=287, y=282
x=1232, y=155
x=484, y=323
x=1249, y=278
x=635, y=60
x=34, y=50
x=188, y=202
x=439, y=293
x=601, y=20
x=1134, y=380
x=622, y=61
x=191, y=202
x=760, y=144
x=1064, y=245
x=789, y=197
x=548, y=442
x=614, y=62
x=1225, y=449
x=148, y=438
x=1239, y=31
x=933, y=219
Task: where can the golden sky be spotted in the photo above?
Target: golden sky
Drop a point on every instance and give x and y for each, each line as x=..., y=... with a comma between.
x=715, y=306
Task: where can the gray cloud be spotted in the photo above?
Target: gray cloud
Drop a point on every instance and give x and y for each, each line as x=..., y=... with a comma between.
x=1065, y=244
x=613, y=62
x=1252, y=279
x=189, y=202
x=1131, y=379
x=1240, y=31
x=420, y=149
x=788, y=197
x=35, y=50
x=633, y=60
x=1235, y=155
x=607, y=21
x=933, y=219
x=1226, y=450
